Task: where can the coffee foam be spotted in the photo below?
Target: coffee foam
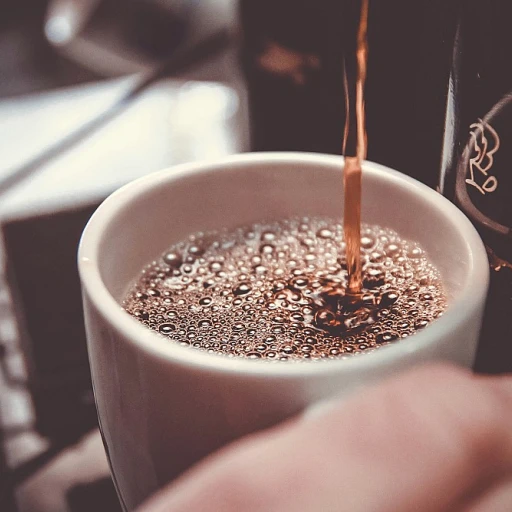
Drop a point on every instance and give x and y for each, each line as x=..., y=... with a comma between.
x=277, y=291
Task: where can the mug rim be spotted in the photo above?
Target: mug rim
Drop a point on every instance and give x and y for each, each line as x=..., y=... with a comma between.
x=142, y=338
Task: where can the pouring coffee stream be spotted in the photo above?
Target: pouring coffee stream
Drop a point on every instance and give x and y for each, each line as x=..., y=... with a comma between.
x=353, y=308
x=355, y=117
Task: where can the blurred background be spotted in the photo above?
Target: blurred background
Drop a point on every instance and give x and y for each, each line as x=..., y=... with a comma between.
x=96, y=93
x=92, y=95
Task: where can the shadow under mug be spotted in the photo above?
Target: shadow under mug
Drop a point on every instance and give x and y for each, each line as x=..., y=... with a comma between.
x=162, y=407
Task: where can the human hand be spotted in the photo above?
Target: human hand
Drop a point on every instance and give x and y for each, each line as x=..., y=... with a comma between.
x=434, y=439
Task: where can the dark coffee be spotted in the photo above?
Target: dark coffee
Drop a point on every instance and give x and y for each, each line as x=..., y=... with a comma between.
x=277, y=291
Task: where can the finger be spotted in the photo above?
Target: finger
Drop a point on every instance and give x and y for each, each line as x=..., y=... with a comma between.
x=419, y=442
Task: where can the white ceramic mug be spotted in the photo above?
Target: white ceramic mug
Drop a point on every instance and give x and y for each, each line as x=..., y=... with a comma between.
x=161, y=406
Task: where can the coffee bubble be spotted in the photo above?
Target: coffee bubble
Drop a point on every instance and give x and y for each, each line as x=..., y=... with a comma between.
x=277, y=292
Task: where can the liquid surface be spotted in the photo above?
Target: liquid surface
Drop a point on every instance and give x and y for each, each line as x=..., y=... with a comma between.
x=277, y=291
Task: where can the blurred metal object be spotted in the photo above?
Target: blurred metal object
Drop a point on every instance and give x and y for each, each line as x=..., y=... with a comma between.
x=179, y=62
x=66, y=19
x=115, y=37
x=477, y=158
